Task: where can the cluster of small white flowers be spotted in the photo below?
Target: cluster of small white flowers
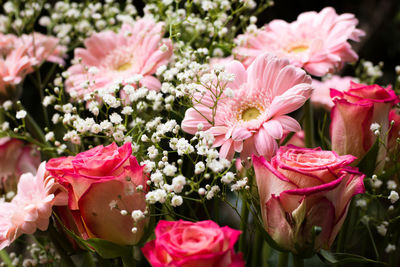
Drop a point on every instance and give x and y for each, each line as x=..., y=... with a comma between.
x=240, y=184
x=371, y=70
x=17, y=13
x=74, y=21
x=158, y=195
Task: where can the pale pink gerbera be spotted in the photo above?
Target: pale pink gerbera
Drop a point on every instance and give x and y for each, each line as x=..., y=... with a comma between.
x=14, y=67
x=110, y=56
x=42, y=48
x=31, y=208
x=6, y=43
x=321, y=96
x=316, y=42
x=251, y=120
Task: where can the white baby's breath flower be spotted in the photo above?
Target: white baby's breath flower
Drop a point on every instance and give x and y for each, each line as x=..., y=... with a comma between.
x=393, y=197
x=21, y=114
x=176, y=201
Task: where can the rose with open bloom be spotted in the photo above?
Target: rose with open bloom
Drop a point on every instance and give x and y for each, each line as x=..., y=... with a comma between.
x=355, y=110
x=316, y=42
x=303, y=188
x=321, y=95
x=101, y=182
x=110, y=56
x=249, y=121
x=16, y=159
x=183, y=244
x=31, y=208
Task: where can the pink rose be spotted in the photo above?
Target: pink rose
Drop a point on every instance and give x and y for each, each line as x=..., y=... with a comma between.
x=16, y=159
x=301, y=188
x=184, y=244
x=394, y=132
x=354, y=112
x=98, y=181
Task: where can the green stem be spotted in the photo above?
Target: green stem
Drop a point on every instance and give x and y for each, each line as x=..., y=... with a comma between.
x=243, y=224
x=257, y=250
x=53, y=234
x=40, y=89
x=128, y=260
x=283, y=259
x=88, y=259
x=297, y=261
x=308, y=124
x=6, y=259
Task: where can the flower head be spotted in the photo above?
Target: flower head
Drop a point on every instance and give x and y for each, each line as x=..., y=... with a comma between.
x=315, y=41
x=251, y=120
x=321, y=95
x=108, y=56
x=31, y=208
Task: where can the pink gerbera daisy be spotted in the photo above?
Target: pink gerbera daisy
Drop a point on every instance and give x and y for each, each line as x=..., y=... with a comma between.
x=317, y=42
x=14, y=67
x=110, y=56
x=251, y=120
x=321, y=96
x=31, y=208
x=42, y=47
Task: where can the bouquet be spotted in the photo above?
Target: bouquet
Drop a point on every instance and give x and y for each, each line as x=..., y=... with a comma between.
x=186, y=133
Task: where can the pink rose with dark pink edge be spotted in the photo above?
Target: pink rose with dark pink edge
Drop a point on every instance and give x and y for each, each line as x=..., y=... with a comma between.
x=94, y=179
x=354, y=112
x=16, y=158
x=183, y=244
x=394, y=131
x=301, y=188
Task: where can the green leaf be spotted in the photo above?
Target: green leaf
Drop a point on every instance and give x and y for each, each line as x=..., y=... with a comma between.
x=109, y=250
x=340, y=258
x=368, y=163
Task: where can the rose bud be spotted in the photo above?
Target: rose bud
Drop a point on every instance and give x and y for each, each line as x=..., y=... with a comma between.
x=354, y=112
x=302, y=190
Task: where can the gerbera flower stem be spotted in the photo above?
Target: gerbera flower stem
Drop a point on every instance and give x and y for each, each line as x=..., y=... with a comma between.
x=308, y=124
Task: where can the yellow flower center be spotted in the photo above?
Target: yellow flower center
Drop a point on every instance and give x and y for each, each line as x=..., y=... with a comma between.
x=298, y=49
x=250, y=114
x=124, y=66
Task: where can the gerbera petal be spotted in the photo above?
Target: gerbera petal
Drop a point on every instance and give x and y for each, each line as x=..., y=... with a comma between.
x=238, y=69
x=288, y=123
x=274, y=128
x=227, y=150
x=265, y=144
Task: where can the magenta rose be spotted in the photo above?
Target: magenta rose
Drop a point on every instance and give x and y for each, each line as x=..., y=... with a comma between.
x=16, y=158
x=394, y=132
x=98, y=180
x=352, y=115
x=301, y=188
x=187, y=244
